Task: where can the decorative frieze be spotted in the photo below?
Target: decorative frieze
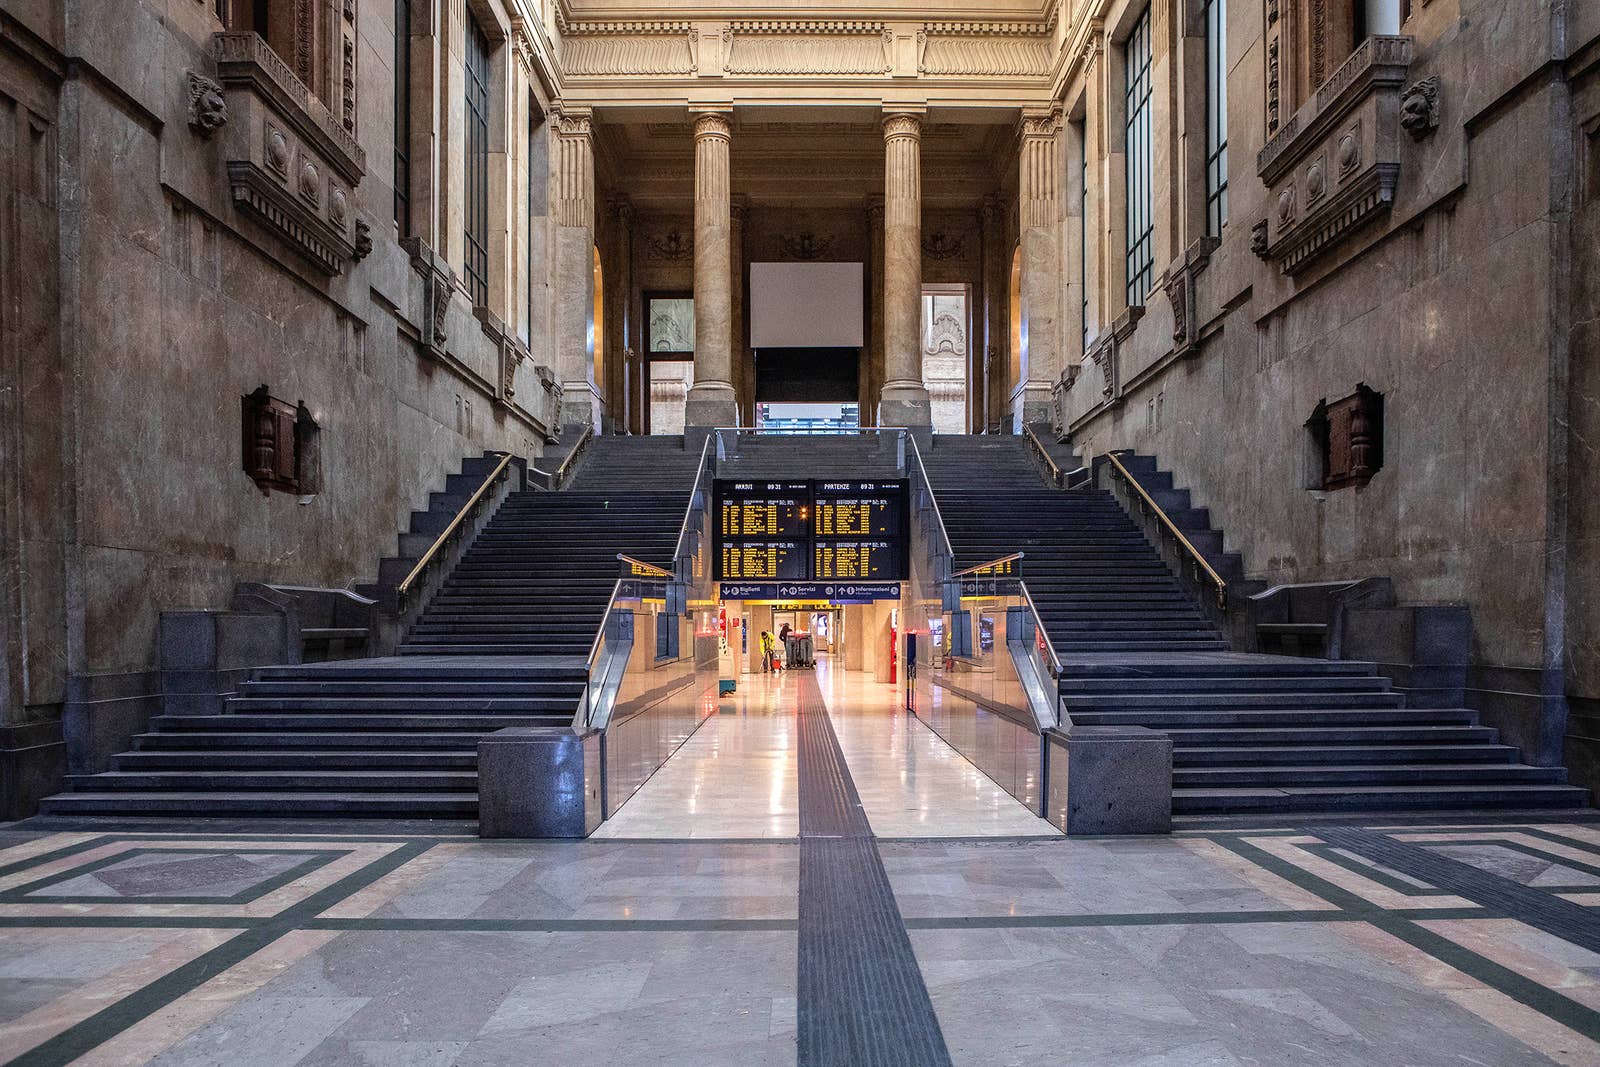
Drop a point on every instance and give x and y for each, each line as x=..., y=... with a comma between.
x=290, y=164
x=985, y=49
x=630, y=49
x=807, y=48
x=1335, y=164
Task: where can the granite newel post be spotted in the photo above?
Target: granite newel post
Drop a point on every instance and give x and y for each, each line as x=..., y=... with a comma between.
x=712, y=401
x=904, y=400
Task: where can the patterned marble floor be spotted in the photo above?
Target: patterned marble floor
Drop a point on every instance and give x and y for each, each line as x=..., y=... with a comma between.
x=1269, y=947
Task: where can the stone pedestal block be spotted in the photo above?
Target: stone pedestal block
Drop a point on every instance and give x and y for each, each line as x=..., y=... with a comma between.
x=537, y=781
x=1109, y=780
x=906, y=406
x=711, y=405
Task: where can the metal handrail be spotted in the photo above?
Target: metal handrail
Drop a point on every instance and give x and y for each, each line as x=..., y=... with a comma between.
x=1172, y=528
x=1056, y=473
x=985, y=566
x=694, y=491
x=653, y=570
x=1038, y=622
x=404, y=588
x=600, y=634
x=561, y=471
x=944, y=534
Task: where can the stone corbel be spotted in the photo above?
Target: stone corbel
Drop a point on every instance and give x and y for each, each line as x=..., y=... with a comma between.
x=510, y=351
x=1419, y=107
x=1106, y=353
x=438, y=284
x=1180, y=288
x=208, y=109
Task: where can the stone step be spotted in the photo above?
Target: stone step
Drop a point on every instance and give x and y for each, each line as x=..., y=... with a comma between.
x=1308, y=755
x=269, y=759
x=285, y=803
x=1342, y=798
x=1368, y=774
x=343, y=780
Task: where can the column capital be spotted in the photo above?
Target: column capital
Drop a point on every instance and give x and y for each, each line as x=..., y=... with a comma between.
x=875, y=211
x=573, y=120
x=1039, y=123
x=621, y=206
x=712, y=122
x=738, y=209
x=902, y=124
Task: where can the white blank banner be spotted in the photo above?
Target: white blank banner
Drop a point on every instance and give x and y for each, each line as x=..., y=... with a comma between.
x=806, y=305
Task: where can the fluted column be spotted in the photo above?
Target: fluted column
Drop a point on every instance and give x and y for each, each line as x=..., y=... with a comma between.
x=904, y=400
x=1039, y=225
x=871, y=376
x=573, y=166
x=744, y=371
x=712, y=401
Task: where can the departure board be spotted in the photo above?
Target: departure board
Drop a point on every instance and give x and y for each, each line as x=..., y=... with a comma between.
x=864, y=561
x=859, y=509
x=753, y=561
x=810, y=531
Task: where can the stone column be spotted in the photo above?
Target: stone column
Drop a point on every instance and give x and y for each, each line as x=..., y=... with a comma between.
x=1039, y=226
x=574, y=268
x=904, y=400
x=711, y=400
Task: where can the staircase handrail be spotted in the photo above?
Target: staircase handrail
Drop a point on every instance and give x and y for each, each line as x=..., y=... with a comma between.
x=650, y=569
x=977, y=567
x=577, y=448
x=694, y=491
x=1200, y=562
x=933, y=500
x=1056, y=473
x=403, y=590
x=1044, y=636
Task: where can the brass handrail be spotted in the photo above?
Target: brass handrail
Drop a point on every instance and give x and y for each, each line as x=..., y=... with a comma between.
x=1056, y=473
x=404, y=588
x=640, y=564
x=985, y=566
x=1172, y=528
x=561, y=471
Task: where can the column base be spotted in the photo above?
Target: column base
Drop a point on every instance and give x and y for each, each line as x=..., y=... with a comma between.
x=907, y=406
x=710, y=405
x=1031, y=403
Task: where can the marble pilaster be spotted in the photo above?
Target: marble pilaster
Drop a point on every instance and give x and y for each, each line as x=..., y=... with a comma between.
x=1039, y=233
x=574, y=268
x=712, y=401
x=904, y=399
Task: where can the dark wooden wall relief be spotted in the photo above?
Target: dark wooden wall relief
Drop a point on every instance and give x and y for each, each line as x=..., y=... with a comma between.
x=279, y=444
x=1349, y=435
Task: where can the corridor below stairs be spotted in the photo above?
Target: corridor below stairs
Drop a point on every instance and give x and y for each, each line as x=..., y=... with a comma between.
x=737, y=777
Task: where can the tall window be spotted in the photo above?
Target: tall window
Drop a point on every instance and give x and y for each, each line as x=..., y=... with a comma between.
x=1216, y=116
x=402, y=116
x=477, y=163
x=1141, y=210
x=1083, y=233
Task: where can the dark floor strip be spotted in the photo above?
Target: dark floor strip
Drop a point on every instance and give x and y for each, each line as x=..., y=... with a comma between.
x=862, y=1001
x=1538, y=908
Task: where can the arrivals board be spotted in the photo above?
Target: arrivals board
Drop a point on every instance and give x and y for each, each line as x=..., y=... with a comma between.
x=809, y=531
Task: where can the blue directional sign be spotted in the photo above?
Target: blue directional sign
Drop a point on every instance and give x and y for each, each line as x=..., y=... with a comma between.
x=838, y=592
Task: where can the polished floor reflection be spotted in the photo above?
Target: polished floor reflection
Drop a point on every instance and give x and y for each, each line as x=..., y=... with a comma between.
x=736, y=777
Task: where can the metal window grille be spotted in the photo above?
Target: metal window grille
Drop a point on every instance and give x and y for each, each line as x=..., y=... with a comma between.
x=1216, y=14
x=477, y=163
x=1141, y=212
x=402, y=116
